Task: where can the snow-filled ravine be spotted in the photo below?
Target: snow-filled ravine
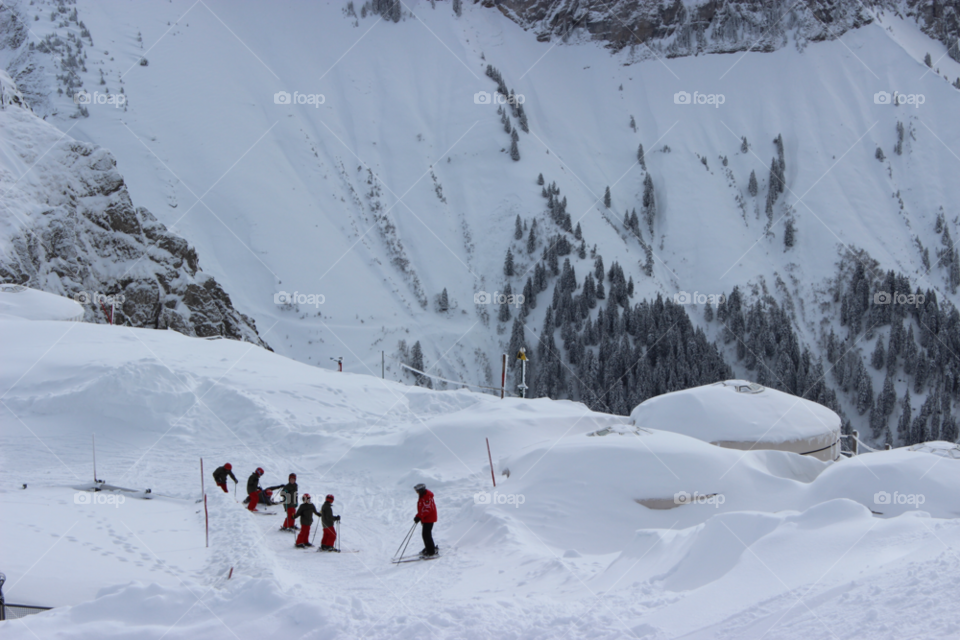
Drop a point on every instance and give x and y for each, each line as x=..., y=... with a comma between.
x=763, y=544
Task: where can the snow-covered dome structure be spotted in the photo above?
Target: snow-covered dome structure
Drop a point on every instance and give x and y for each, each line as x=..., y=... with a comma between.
x=738, y=414
x=30, y=304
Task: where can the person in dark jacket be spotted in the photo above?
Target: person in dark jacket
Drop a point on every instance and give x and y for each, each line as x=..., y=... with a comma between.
x=306, y=512
x=288, y=498
x=220, y=476
x=427, y=516
x=253, y=488
x=327, y=519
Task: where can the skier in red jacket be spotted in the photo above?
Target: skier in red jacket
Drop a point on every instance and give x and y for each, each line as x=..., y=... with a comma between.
x=427, y=516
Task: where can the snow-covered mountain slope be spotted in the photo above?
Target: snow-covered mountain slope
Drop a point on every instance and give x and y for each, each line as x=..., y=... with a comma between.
x=759, y=543
x=399, y=186
x=69, y=227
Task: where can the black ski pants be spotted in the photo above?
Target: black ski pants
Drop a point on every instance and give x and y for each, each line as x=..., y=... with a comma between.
x=428, y=545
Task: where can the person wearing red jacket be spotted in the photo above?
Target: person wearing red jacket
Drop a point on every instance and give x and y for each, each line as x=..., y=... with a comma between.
x=426, y=516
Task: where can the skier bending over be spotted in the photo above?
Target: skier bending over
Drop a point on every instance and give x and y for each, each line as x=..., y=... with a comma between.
x=427, y=516
x=327, y=519
x=288, y=497
x=253, y=488
x=220, y=476
x=305, y=513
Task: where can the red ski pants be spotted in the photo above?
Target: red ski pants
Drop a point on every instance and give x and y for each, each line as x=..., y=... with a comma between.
x=223, y=486
x=304, y=536
x=254, y=499
x=329, y=536
x=289, y=522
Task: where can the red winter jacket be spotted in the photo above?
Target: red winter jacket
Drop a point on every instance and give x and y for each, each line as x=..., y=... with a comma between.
x=426, y=507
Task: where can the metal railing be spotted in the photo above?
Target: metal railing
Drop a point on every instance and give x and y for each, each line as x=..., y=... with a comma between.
x=17, y=611
x=855, y=444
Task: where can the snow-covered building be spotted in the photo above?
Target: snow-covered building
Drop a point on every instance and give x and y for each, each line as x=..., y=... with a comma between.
x=30, y=304
x=738, y=414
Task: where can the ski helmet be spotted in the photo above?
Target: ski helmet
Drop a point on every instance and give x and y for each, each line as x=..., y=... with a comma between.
x=420, y=488
x=228, y=467
x=293, y=476
x=306, y=497
x=329, y=497
x=259, y=471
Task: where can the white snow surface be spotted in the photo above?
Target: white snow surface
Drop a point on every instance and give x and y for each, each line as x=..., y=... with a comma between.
x=720, y=413
x=30, y=304
x=561, y=547
x=281, y=197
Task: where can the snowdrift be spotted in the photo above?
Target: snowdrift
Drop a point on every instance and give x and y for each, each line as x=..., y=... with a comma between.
x=31, y=304
x=565, y=543
x=738, y=414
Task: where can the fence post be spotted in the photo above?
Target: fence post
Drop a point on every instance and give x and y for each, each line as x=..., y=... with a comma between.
x=856, y=443
x=490, y=458
x=503, y=376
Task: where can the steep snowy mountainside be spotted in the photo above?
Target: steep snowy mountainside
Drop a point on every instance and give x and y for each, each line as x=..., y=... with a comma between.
x=690, y=27
x=69, y=227
x=398, y=185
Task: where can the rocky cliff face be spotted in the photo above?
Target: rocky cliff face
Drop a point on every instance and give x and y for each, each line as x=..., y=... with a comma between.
x=683, y=28
x=68, y=226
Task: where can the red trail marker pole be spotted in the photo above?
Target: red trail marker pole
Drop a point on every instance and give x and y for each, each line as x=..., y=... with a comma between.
x=490, y=458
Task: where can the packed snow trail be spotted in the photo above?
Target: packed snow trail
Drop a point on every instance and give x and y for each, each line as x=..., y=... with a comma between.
x=576, y=557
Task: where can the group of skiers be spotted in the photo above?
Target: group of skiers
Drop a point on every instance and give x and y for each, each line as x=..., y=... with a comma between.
x=426, y=509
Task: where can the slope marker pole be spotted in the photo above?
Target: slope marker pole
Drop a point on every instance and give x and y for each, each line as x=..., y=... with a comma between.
x=490, y=458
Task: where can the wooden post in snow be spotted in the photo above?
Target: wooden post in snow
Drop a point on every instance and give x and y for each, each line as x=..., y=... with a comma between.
x=503, y=376
x=490, y=458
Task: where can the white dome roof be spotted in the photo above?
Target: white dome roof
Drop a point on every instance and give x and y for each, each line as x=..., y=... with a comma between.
x=743, y=415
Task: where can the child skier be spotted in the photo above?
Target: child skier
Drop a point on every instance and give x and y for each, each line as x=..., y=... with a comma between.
x=305, y=513
x=427, y=516
x=327, y=519
x=253, y=488
x=220, y=476
x=288, y=497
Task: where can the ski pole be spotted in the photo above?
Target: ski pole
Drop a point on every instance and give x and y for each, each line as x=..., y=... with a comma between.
x=408, y=539
x=409, y=533
x=338, y=535
x=315, y=534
